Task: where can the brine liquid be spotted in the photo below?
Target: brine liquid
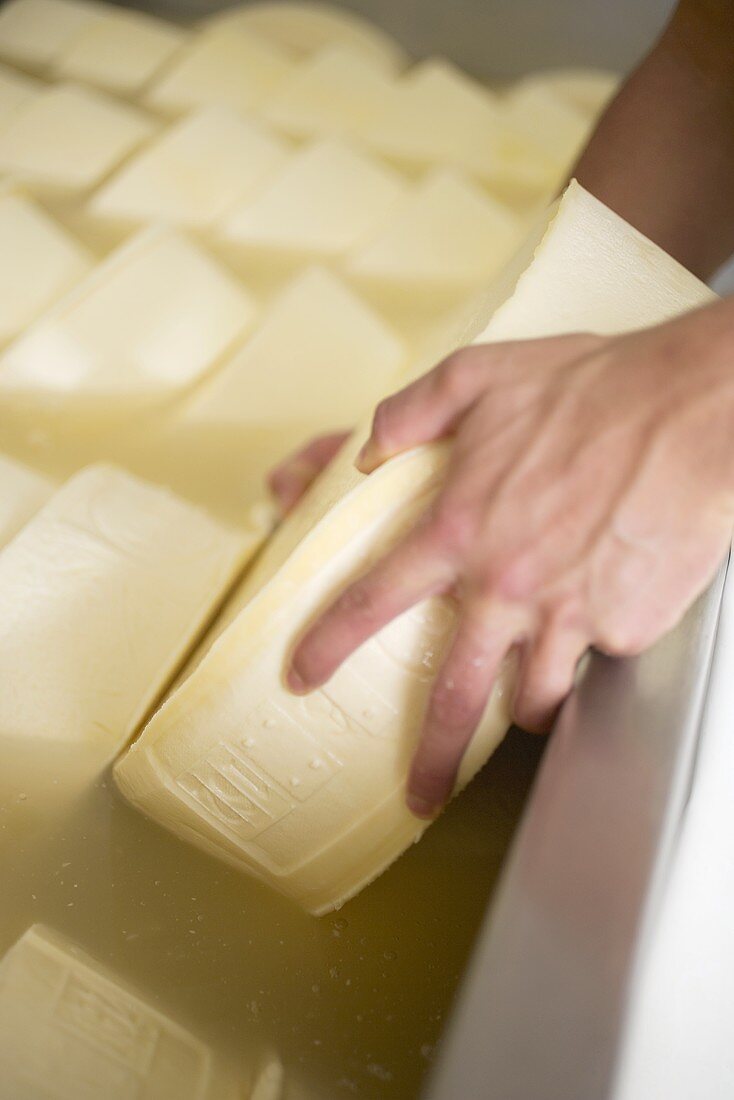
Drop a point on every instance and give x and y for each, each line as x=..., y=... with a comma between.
x=353, y=1003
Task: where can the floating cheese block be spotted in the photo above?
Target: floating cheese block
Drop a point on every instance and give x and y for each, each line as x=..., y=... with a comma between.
x=306, y=28
x=103, y=593
x=144, y=325
x=34, y=33
x=193, y=174
x=319, y=358
x=308, y=793
x=73, y=1030
x=541, y=117
x=337, y=92
x=39, y=261
x=16, y=90
x=67, y=138
x=223, y=66
x=588, y=90
x=438, y=116
x=446, y=236
x=22, y=493
x=327, y=199
x=121, y=52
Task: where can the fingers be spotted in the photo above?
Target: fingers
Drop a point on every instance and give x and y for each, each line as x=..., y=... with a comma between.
x=459, y=697
x=412, y=571
x=292, y=477
x=426, y=410
x=546, y=676
x=430, y=408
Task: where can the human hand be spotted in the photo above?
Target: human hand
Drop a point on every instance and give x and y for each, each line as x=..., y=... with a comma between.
x=291, y=478
x=589, y=498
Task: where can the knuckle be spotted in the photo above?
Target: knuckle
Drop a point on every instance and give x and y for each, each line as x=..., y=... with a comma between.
x=453, y=526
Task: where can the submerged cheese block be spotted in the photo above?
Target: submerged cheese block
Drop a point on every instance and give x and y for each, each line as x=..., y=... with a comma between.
x=315, y=363
x=437, y=115
x=193, y=174
x=337, y=92
x=16, y=90
x=546, y=122
x=327, y=199
x=103, y=592
x=33, y=33
x=446, y=236
x=223, y=66
x=38, y=261
x=66, y=139
x=308, y=793
x=22, y=493
x=305, y=28
x=120, y=52
x=70, y=1029
x=146, y=324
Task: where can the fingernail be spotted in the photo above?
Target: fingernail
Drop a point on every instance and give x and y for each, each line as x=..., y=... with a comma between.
x=421, y=807
x=296, y=682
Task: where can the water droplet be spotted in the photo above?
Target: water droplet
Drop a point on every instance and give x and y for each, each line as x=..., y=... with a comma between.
x=427, y=1050
x=368, y=712
x=295, y=781
x=390, y=955
x=250, y=742
x=22, y=796
x=341, y=923
x=269, y=724
x=315, y=988
x=316, y=763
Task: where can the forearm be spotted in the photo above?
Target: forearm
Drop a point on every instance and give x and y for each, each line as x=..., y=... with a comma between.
x=662, y=155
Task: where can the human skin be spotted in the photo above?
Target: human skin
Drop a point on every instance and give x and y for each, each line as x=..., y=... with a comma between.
x=590, y=493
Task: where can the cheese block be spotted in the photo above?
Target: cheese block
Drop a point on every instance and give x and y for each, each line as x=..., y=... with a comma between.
x=305, y=28
x=22, y=493
x=33, y=33
x=64, y=140
x=39, y=261
x=16, y=89
x=437, y=115
x=548, y=123
x=120, y=52
x=318, y=359
x=269, y=1081
x=70, y=1029
x=192, y=175
x=103, y=592
x=223, y=66
x=308, y=793
x=326, y=200
x=143, y=326
x=587, y=90
x=446, y=236
x=337, y=92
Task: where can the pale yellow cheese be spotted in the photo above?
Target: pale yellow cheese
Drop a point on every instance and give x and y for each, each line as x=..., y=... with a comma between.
x=16, y=89
x=39, y=261
x=437, y=115
x=548, y=123
x=121, y=52
x=305, y=28
x=318, y=359
x=588, y=90
x=308, y=793
x=337, y=92
x=446, y=236
x=22, y=493
x=70, y=1029
x=192, y=175
x=222, y=66
x=103, y=592
x=145, y=325
x=66, y=139
x=326, y=199
x=33, y=33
